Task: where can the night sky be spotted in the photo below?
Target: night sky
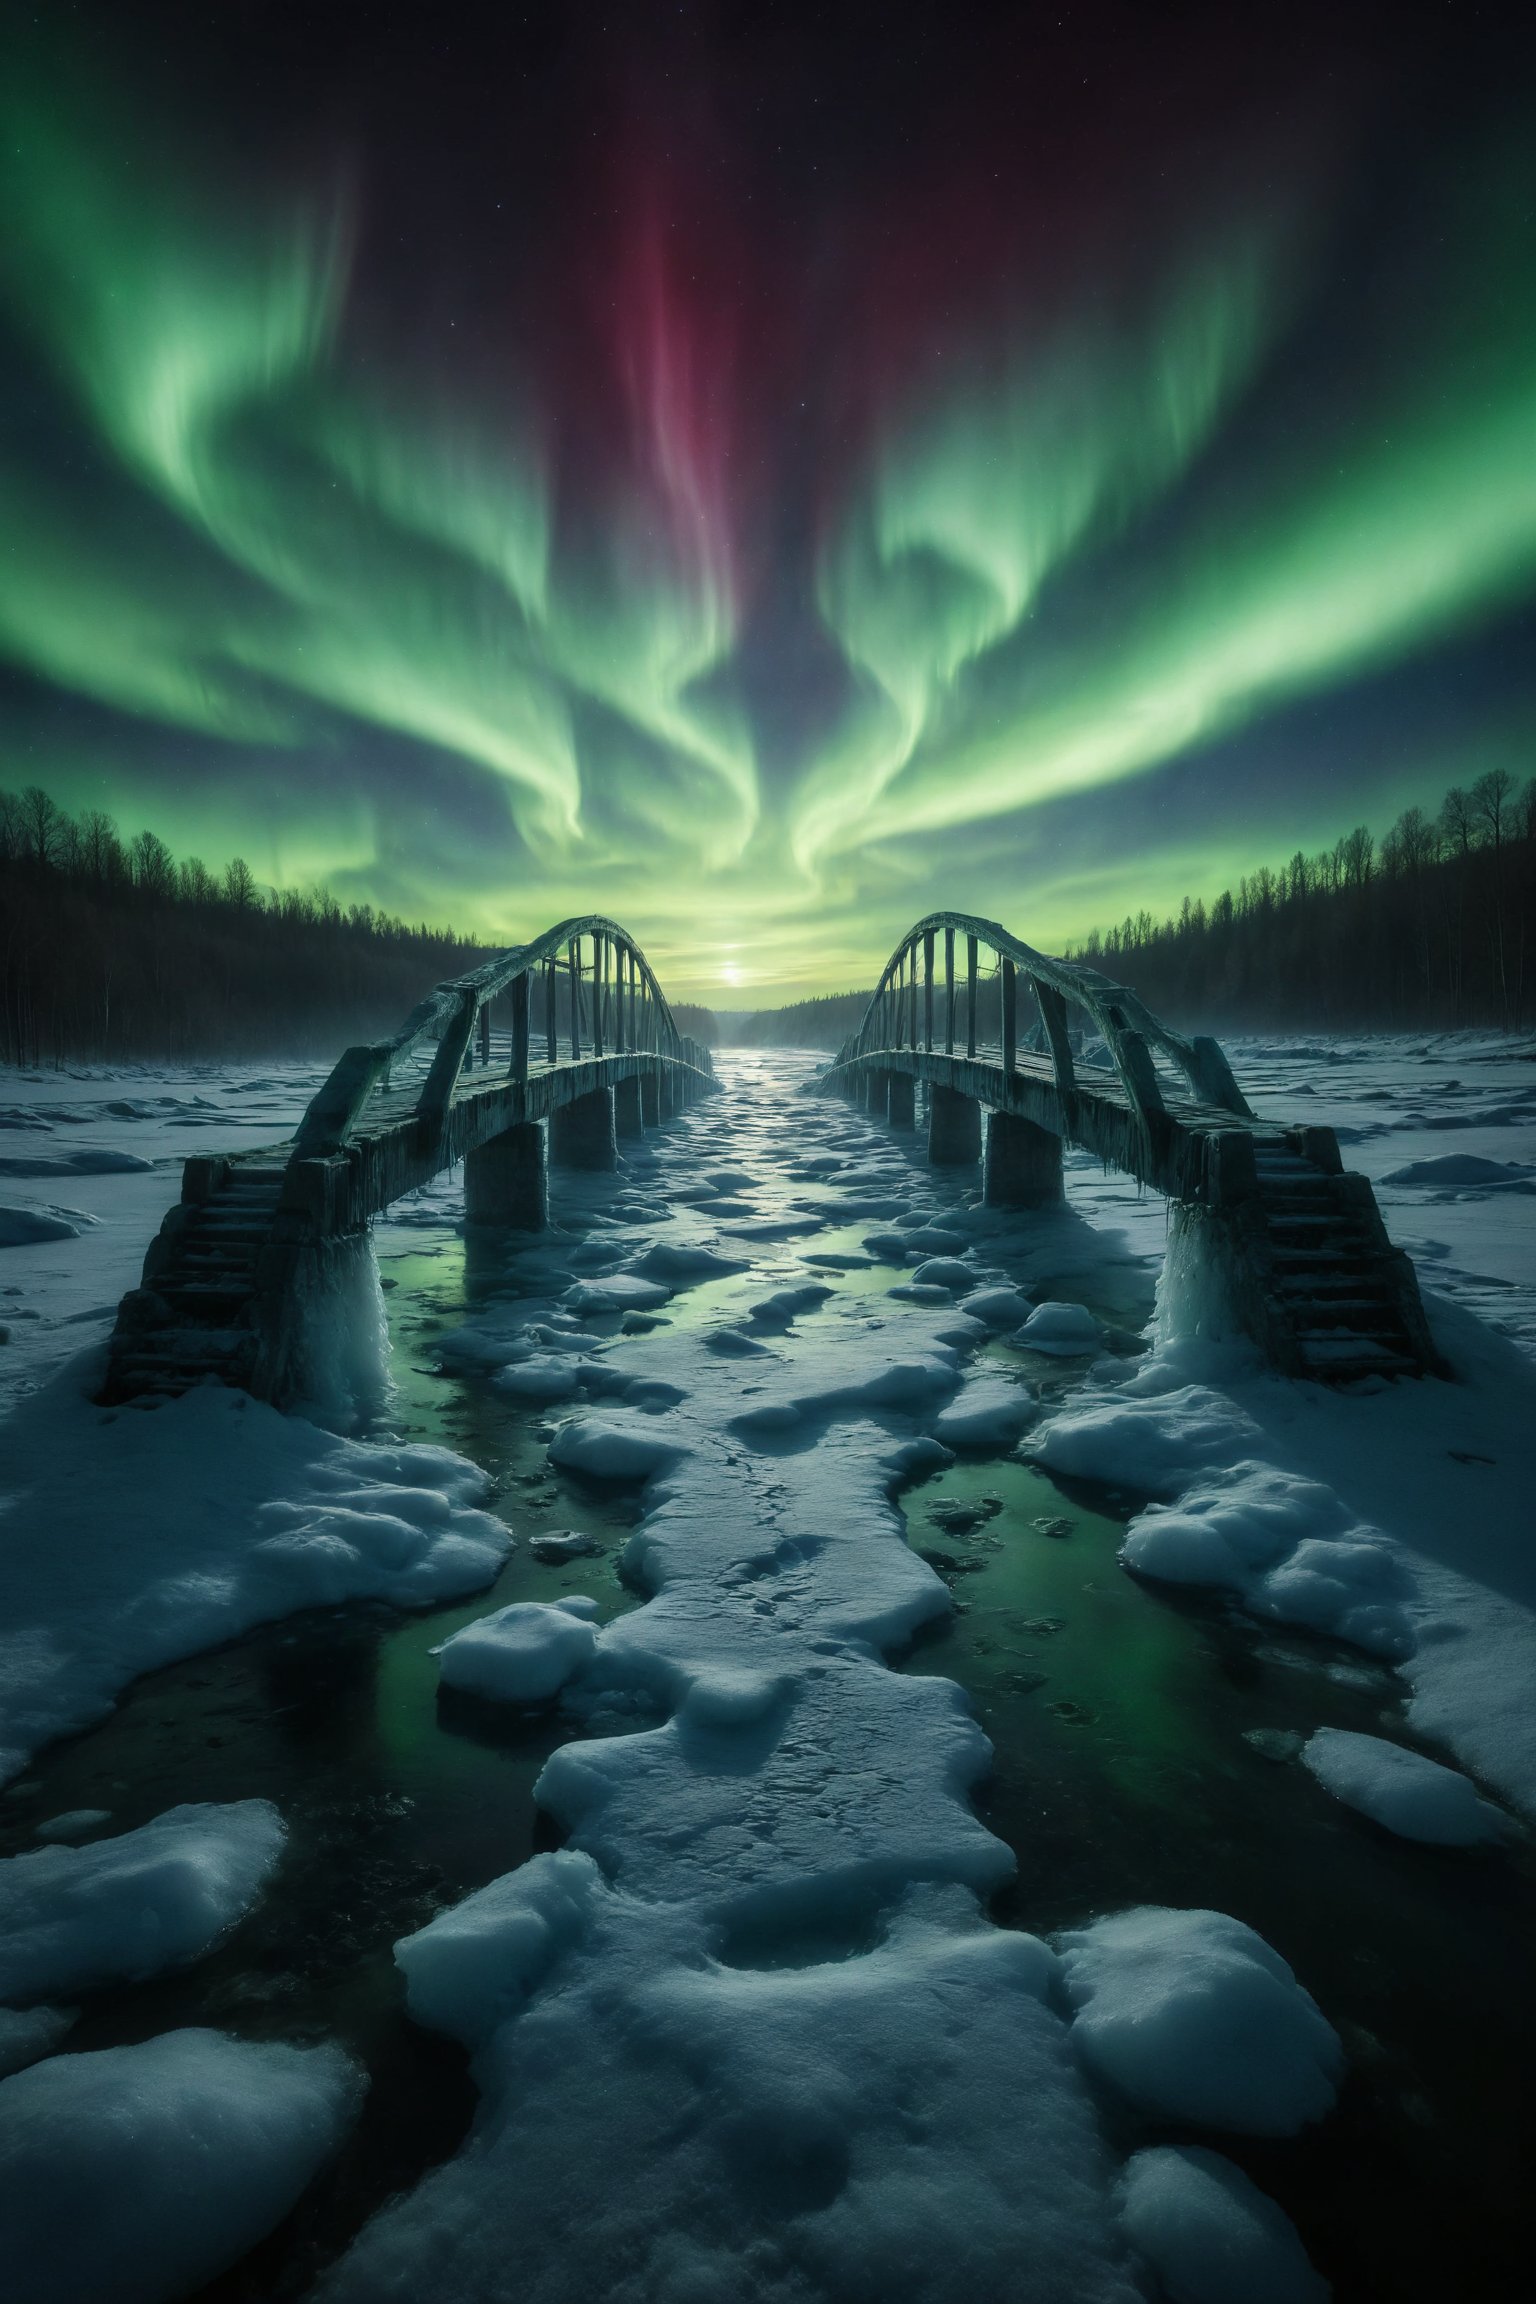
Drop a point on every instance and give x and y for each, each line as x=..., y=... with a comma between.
x=764, y=472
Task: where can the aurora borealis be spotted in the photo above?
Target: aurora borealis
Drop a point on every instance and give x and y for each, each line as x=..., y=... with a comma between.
x=764, y=473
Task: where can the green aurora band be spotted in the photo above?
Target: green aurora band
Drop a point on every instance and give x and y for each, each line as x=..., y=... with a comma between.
x=257, y=552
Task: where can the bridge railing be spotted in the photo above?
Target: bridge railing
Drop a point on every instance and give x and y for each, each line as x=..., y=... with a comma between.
x=917, y=1007
x=613, y=1002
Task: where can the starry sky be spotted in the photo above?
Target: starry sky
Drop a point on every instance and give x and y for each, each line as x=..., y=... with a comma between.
x=764, y=472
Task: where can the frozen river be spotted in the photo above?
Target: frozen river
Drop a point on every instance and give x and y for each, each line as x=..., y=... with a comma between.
x=748, y=1979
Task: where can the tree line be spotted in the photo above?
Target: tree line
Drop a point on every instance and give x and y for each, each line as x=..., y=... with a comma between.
x=1431, y=927
x=113, y=948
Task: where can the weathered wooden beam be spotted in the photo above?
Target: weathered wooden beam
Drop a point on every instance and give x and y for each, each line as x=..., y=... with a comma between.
x=928, y=991
x=1010, y=989
x=550, y=1009
x=573, y=964
x=437, y=1092
x=522, y=1005
x=949, y=991
x=970, y=995
x=1053, y=1008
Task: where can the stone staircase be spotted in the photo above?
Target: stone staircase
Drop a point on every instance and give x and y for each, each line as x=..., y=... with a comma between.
x=193, y=1317
x=1344, y=1302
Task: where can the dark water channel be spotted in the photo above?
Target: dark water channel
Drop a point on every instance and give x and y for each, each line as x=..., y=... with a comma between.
x=1124, y=1774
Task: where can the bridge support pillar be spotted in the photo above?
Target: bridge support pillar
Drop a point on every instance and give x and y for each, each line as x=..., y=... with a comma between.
x=1023, y=1164
x=954, y=1127
x=877, y=1095
x=506, y=1181
x=650, y=1100
x=901, y=1107
x=628, y=1119
x=581, y=1132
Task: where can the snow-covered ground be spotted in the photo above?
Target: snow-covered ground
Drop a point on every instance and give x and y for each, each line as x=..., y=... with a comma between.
x=757, y=1988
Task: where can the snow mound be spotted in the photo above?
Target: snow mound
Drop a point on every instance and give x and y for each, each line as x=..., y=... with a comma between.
x=1066, y=1331
x=1404, y=1791
x=473, y=1967
x=135, y=1904
x=1155, y=1443
x=523, y=1654
x=542, y=1380
x=991, y=1412
x=20, y=1226
x=28, y=2034
x=676, y=1263
x=606, y=1451
x=945, y=1272
x=1193, y=2016
x=85, y=1162
x=133, y=2175
x=998, y=1307
x=1210, y=2236
x=619, y=1292
x=1453, y=1169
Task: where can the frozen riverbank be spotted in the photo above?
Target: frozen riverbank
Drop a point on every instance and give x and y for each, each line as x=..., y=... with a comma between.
x=786, y=1821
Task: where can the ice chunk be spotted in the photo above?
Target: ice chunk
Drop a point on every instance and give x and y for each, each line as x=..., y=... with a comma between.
x=74, y=1824
x=1210, y=2236
x=523, y=1654
x=618, y=1292
x=132, y=2175
x=991, y=1412
x=676, y=1263
x=132, y=1905
x=1193, y=2016
x=1404, y=1791
x=1066, y=1331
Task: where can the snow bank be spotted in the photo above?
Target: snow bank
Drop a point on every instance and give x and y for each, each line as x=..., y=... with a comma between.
x=1288, y=1547
x=618, y=1292
x=1193, y=2016
x=523, y=1654
x=132, y=1537
x=1404, y=1791
x=129, y=1906
x=1209, y=2235
x=136, y=2174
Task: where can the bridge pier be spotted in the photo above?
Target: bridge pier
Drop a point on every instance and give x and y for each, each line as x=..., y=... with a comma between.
x=650, y=1100
x=902, y=1106
x=877, y=1095
x=954, y=1127
x=1023, y=1164
x=581, y=1133
x=628, y=1118
x=506, y=1181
